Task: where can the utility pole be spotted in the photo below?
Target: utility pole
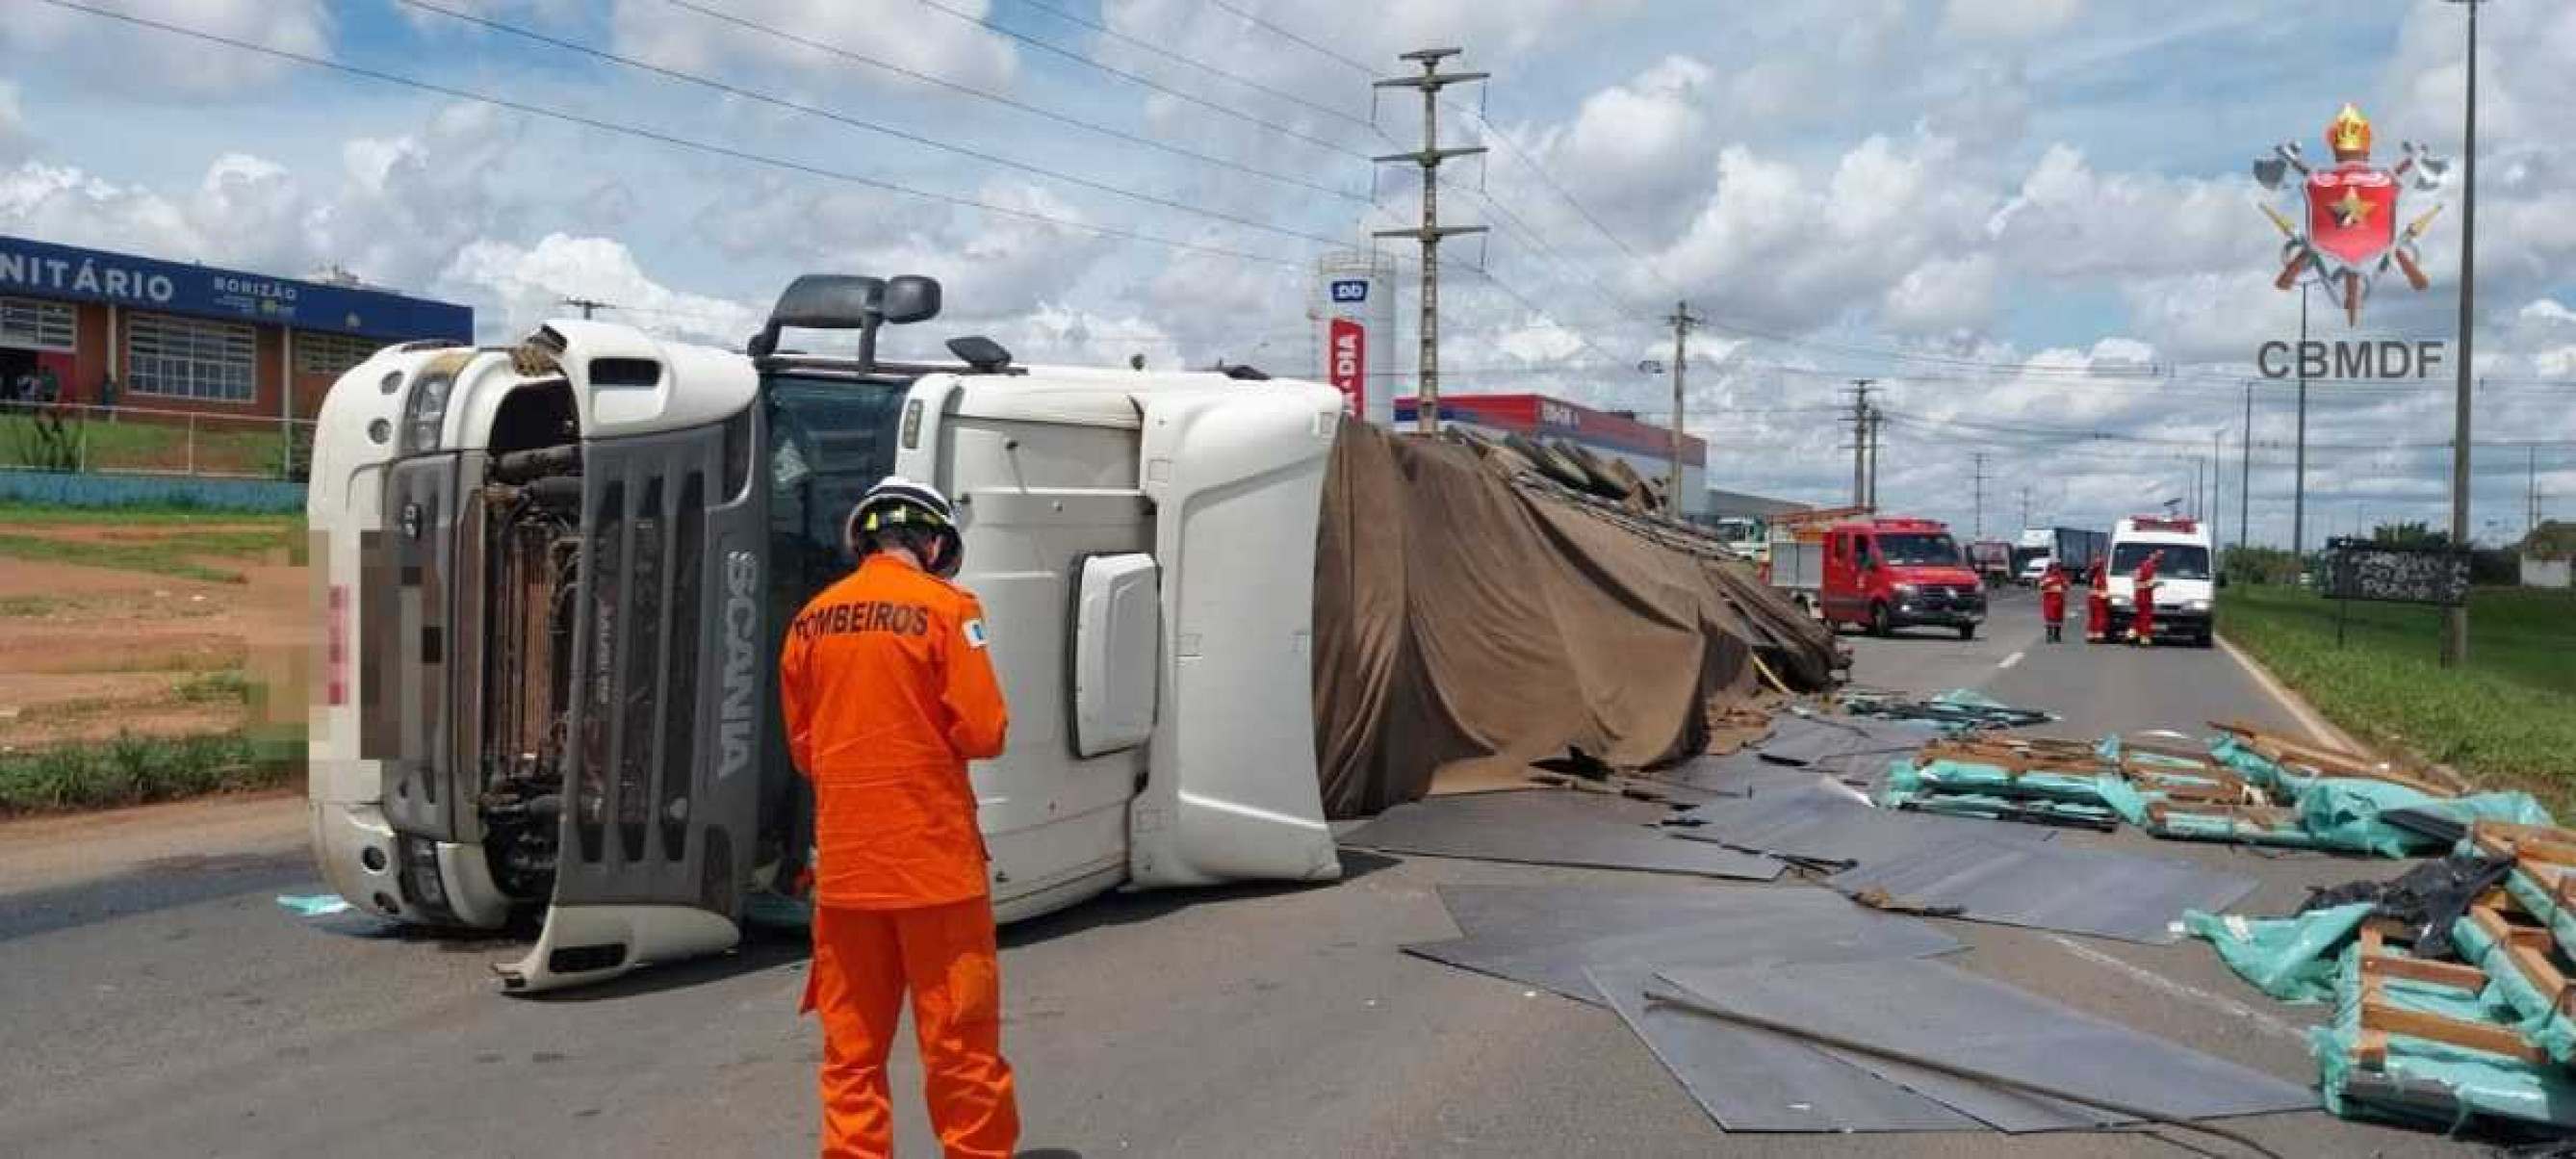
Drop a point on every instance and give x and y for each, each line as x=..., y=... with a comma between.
x=586, y=305
x=2217, y=463
x=1426, y=400
x=1682, y=320
x=2245, y=469
x=1860, y=441
x=1875, y=415
x=1980, y=524
x=2455, y=619
x=2299, y=475
x=2531, y=471
x=2025, y=506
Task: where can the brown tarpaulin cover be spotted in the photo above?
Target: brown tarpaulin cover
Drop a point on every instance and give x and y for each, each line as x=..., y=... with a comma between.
x=1461, y=617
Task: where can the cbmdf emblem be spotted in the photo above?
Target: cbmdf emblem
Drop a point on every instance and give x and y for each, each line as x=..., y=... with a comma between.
x=2343, y=232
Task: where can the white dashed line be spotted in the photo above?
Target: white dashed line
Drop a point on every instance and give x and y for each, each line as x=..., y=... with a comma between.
x=2011, y=660
x=2237, y=1010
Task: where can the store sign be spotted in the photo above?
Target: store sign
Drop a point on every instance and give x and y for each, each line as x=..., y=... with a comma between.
x=1348, y=361
x=45, y=270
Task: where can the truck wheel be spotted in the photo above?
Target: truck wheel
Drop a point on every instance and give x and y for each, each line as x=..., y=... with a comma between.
x=1967, y=631
x=1879, y=624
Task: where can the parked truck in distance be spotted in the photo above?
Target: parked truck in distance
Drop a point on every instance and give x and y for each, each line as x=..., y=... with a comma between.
x=1882, y=574
x=2074, y=548
x=1993, y=560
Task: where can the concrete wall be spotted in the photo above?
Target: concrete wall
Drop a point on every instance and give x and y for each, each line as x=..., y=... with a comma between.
x=2545, y=573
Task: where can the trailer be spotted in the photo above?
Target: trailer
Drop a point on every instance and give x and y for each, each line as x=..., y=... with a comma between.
x=2073, y=548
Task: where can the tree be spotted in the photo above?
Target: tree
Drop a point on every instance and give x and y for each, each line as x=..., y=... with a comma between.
x=2415, y=533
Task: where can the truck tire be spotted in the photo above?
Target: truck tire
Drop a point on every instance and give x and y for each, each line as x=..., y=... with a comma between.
x=1967, y=631
x=1879, y=624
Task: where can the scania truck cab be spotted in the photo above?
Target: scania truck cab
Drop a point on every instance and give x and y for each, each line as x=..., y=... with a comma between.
x=553, y=577
x=2186, y=589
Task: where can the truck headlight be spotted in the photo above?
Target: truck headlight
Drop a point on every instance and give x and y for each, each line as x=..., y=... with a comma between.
x=425, y=411
x=2197, y=606
x=1908, y=590
x=2119, y=601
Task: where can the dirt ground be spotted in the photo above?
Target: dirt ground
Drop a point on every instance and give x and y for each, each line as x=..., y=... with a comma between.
x=88, y=651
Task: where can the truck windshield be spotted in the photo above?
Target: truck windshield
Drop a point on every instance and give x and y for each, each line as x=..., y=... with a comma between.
x=1917, y=549
x=2182, y=560
x=829, y=441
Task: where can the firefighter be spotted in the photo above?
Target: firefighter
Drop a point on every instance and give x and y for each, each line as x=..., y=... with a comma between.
x=2052, y=600
x=2142, y=602
x=888, y=691
x=2097, y=605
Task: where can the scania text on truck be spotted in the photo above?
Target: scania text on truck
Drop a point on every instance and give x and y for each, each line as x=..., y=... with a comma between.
x=2185, y=590
x=1886, y=574
x=554, y=577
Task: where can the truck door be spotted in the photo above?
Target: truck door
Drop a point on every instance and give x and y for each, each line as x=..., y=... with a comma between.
x=1841, y=578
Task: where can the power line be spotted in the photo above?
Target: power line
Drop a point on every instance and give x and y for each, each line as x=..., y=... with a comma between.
x=1212, y=70
x=1293, y=38
x=1133, y=78
x=1014, y=103
x=844, y=119
x=707, y=147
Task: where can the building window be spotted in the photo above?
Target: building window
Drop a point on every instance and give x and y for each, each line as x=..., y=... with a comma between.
x=186, y=358
x=32, y=325
x=331, y=353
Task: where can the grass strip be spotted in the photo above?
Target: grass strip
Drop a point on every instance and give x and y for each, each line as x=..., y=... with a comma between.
x=2507, y=718
x=134, y=770
x=157, y=515
x=148, y=558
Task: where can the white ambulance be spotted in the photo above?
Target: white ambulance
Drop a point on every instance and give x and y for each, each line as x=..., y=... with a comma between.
x=2186, y=587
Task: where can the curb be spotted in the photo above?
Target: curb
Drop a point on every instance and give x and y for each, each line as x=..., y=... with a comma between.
x=2308, y=717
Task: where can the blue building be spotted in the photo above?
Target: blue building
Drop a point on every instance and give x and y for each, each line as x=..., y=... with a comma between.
x=97, y=327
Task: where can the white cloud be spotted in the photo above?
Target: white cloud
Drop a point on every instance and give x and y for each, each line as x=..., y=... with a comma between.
x=902, y=32
x=1945, y=293
x=2070, y=220
x=530, y=283
x=130, y=59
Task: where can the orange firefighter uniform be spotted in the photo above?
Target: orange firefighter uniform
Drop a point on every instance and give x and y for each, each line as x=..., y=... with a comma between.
x=888, y=691
x=2097, y=605
x=2052, y=601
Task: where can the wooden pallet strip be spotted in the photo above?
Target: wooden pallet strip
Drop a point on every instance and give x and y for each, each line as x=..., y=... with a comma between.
x=2527, y=948
x=2378, y=1014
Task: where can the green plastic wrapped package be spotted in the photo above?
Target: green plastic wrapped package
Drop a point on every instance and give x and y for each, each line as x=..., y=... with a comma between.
x=2293, y=958
x=2428, y=1083
x=2544, y=1025
x=2258, y=770
x=2343, y=813
x=1917, y=785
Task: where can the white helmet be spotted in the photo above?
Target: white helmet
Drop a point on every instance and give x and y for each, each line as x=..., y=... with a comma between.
x=896, y=502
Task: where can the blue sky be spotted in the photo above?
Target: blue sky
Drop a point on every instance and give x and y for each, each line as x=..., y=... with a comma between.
x=1971, y=200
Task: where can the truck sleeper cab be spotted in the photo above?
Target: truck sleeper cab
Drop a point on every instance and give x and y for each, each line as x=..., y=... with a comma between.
x=554, y=579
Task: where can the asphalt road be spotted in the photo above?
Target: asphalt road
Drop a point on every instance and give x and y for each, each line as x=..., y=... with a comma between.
x=159, y=1001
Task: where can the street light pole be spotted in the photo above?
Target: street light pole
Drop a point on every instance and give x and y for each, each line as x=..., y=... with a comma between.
x=2455, y=620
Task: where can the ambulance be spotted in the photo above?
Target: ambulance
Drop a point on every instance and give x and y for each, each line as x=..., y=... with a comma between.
x=2186, y=584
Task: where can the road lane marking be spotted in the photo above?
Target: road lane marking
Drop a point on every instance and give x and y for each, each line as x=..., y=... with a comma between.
x=2011, y=660
x=2228, y=1006
x=2322, y=732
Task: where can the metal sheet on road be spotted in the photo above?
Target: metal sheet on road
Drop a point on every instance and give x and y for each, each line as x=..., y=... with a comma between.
x=1551, y=947
x=1549, y=827
x=1818, y=822
x=1755, y=1081
x=1930, y=1010
x=2078, y=891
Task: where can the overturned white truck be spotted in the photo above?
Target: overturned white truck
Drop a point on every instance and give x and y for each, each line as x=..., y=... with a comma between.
x=553, y=578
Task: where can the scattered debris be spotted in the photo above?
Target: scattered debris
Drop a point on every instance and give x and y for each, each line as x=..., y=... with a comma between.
x=1958, y=710
x=313, y=905
x=2450, y=984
